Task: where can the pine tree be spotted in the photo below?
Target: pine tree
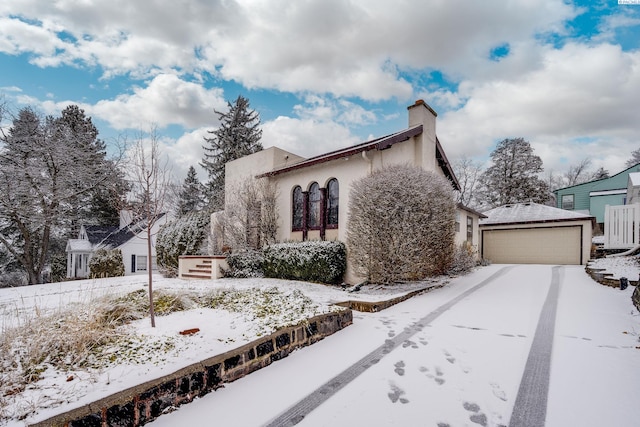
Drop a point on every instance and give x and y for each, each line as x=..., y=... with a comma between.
x=190, y=198
x=238, y=135
x=513, y=176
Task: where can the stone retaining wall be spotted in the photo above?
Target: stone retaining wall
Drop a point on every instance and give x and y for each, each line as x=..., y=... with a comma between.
x=374, y=307
x=143, y=403
x=601, y=276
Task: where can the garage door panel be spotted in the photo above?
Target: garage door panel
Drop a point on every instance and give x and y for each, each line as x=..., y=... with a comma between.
x=559, y=245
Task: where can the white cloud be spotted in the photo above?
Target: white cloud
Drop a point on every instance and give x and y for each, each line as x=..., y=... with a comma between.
x=356, y=48
x=306, y=137
x=577, y=92
x=185, y=152
x=165, y=100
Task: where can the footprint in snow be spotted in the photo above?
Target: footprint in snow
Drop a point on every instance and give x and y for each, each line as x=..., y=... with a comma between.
x=396, y=394
x=399, y=368
x=476, y=416
x=449, y=357
x=498, y=392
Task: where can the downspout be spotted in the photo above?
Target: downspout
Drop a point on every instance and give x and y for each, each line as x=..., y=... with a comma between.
x=368, y=160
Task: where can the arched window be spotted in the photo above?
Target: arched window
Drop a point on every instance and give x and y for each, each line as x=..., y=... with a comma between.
x=332, y=203
x=314, y=212
x=297, y=204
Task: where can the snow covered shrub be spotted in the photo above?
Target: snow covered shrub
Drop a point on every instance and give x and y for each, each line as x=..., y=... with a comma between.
x=12, y=279
x=464, y=259
x=184, y=236
x=106, y=263
x=401, y=225
x=244, y=264
x=313, y=261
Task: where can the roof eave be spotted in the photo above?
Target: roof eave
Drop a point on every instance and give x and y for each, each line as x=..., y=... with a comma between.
x=376, y=144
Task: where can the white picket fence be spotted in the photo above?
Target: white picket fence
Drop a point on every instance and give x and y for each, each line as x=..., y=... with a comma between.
x=621, y=226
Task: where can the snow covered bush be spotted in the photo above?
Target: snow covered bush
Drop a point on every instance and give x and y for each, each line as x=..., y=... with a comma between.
x=313, y=261
x=244, y=264
x=106, y=263
x=464, y=259
x=401, y=225
x=184, y=236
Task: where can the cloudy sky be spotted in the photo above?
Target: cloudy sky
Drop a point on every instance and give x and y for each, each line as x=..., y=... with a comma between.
x=325, y=74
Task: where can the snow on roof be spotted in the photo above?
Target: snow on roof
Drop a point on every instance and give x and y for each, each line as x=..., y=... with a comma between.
x=529, y=212
x=78, y=245
x=634, y=178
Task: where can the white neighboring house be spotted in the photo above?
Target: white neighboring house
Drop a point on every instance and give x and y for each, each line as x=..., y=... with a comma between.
x=622, y=222
x=129, y=237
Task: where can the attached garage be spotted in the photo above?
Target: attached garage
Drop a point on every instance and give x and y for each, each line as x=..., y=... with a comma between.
x=530, y=233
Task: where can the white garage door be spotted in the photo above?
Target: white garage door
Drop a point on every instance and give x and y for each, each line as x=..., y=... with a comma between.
x=560, y=245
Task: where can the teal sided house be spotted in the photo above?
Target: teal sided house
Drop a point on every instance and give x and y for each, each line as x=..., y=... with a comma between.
x=592, y=197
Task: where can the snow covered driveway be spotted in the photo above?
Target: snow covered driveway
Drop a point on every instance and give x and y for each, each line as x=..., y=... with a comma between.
x=452, y=357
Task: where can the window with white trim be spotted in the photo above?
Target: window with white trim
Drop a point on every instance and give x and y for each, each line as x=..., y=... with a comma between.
x=567, y=202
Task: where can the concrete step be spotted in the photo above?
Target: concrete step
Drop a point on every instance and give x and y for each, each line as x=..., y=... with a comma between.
x=196, y=276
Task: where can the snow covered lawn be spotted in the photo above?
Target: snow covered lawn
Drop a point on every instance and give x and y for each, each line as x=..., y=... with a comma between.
x=228, y=312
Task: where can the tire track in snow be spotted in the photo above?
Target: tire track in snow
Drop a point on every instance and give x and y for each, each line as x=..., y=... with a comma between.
x=298, y=411
x=530, y=407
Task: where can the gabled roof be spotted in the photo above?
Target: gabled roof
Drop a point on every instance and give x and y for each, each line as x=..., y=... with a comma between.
x=78, y=245
x=379, y=144
x=124, y=234
x=598, y=183
x=470, y=210
x=97, y=233
x=525, y=213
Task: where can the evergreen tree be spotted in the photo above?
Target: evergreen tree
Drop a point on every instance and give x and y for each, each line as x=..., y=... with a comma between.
x=513, y=176
x=48, y=170
x=191, y=197
x=237, y=136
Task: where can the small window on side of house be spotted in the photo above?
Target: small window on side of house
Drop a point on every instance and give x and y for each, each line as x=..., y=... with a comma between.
x=470, y=229
x=567, y=202
x=141, y=263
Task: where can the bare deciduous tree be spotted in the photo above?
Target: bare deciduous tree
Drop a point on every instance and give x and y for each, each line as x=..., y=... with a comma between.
x=150, y=182
x=467, y=171
x=250, y=216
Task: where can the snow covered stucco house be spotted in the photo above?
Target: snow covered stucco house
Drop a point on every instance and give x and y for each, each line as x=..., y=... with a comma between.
x=313, y=193
x=129, y=236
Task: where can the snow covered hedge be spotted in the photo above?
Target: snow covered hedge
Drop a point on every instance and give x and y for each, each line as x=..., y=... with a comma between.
x=313, y=261
x=244, y=264
x=106, y=263
x=184, y=236
x=401, y=225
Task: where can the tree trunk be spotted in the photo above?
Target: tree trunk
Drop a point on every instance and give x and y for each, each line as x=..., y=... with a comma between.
x=151, y=310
